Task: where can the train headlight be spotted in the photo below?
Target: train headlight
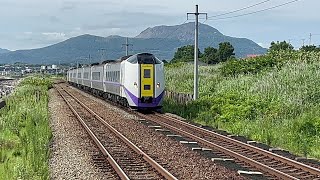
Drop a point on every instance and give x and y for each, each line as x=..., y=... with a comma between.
x=135, y=84
x=158, y=85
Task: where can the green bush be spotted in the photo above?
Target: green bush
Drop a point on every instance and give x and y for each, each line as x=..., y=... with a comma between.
x=274, y=102
x=234, y=67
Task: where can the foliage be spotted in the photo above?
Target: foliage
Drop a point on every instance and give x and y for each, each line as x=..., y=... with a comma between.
x=280, y=46
x=235, y=67
x=25, y=132
x=210, y=55
x=310, y=48
x=283, y=95
x=251, y=65
x=185, y=54
x=225, y=51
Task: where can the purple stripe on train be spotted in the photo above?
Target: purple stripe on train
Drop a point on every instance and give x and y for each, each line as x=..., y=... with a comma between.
x=112, y=83
x=155, y=102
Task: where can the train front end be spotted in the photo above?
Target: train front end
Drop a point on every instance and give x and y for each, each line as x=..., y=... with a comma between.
x=144, y=89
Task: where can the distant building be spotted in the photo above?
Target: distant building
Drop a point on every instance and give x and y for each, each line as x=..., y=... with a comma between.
x=253, y=55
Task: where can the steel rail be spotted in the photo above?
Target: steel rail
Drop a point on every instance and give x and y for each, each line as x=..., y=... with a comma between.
x=288, y=161
x=146, y=157
x=105, y=152
x=252, y=162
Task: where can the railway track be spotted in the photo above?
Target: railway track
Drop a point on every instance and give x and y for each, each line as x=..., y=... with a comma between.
x=272, y=165
x=126, y=159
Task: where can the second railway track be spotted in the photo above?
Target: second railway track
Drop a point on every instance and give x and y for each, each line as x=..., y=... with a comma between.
x=127, y=160
x=273, y=165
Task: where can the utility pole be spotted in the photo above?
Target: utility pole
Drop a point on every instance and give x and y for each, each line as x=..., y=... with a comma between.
x=89, y=58
x=127, y=46
x=196, y=55
x=303, y=41
x=102, y=51
x=310, y=36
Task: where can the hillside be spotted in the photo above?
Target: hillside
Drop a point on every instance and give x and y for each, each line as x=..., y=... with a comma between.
x=256, y=99
x=4, y=51
x=161, y=40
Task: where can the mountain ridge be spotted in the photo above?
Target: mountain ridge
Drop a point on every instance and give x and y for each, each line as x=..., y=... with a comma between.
x=4, y=50
x=162, y=41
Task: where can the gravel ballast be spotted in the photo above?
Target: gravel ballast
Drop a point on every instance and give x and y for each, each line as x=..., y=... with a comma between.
x=180, y=160
x=71, y=150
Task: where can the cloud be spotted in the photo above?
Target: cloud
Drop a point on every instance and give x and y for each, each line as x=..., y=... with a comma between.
x=264, y=45
x=27, y=33
x=54, y=36
x=68, y=6
x=54, y=19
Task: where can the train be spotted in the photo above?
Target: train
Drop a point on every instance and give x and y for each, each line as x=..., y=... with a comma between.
x=135, y=81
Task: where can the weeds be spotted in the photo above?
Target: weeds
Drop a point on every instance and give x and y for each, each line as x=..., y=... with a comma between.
x=25, y=131
x=276, y=102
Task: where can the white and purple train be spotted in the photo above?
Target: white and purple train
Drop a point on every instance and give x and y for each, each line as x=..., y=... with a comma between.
x=136, y=81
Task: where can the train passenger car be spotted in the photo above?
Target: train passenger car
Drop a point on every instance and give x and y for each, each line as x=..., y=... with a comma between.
x=136, y=81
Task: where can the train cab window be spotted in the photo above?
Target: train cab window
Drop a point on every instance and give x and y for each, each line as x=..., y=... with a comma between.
x=146, y=73
x=133, y=60
x=146, y=58
x=147, y=87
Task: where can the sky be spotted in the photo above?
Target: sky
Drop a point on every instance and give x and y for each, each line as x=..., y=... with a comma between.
x=27, y=24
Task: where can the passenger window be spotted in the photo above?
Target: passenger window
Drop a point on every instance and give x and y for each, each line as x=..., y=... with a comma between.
x=146, y=73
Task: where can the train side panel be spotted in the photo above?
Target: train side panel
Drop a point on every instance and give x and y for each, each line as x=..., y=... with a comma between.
x=111, y=81
x=97, y=77
x=86, y=77
x=130, y=80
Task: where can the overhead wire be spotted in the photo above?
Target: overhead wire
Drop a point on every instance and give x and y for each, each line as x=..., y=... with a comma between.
x=254, y=12
x=241, y=9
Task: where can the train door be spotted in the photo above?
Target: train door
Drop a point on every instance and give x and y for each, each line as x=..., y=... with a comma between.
x=147, y=80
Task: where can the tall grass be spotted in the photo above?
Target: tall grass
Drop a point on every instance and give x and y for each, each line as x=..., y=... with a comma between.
x=277, y=105
x=25, y=132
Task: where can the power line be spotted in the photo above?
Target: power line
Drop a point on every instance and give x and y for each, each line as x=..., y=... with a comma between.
x=241, y=9
x=254, y=12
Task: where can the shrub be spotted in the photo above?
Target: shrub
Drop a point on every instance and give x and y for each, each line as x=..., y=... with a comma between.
x=273, y=100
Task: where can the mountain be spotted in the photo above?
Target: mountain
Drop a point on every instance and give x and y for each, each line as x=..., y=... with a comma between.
x=4, y=51
x=183, y=32
x=162, y=41
x=208, y=36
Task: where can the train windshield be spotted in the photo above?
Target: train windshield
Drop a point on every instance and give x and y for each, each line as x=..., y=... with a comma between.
x=144, y=58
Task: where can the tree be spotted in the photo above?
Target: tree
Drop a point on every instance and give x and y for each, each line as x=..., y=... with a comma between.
x=210, y=55
x=309, y=48
x=280, y=46
x=225, y=51
x=185, y=54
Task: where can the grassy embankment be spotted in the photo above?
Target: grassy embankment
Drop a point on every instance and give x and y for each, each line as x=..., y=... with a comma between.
x=273, y=99
x=25, y=131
